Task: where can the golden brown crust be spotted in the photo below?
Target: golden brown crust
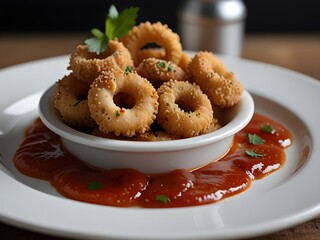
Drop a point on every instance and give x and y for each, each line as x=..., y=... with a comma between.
x=157, y=33
x=158, y=53
x=87, y=66
x=183, y=109
x=122, y=100
x=70, y=99
x=184, y=61
x=121, y=120
x=156, y=69
x=147, y=136
x=215, y=80
x=165, y=136
x=215, y=125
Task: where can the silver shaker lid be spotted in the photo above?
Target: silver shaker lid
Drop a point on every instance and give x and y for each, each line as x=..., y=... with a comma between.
x=211, y=11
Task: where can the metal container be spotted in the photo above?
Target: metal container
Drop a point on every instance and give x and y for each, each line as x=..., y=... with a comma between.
x=213, y=25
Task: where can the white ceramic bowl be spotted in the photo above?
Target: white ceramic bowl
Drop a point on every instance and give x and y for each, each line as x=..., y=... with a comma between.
x=148, y=157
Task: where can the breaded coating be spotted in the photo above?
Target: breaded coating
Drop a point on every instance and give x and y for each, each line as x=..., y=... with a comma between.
x=215, y=80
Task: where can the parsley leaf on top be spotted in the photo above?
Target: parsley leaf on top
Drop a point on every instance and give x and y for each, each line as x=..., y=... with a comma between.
x=116, y=26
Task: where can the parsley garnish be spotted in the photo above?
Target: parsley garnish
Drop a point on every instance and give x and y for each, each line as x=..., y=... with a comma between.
x=169, y=68
x=161, y=64
x=252, y=153
x=267, y=128
x=162, y=198
x=128, y=70
x=117, y=114
x=94, y=185
x=116, y=26
x=255, y=139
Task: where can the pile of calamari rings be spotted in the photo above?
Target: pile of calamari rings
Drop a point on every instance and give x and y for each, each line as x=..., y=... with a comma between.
x=135, y=92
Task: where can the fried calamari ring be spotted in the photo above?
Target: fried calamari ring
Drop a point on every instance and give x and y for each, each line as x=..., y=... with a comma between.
x=96, y=132
x=147, y=136
x=158, y=53
x=215, y=125
x=183, y=109
x=125, y=120
x=143, y=137
x=157, y=69
x=184, y=61
x=70, y=99
x=156, y=33
x=215, y=80
x=87, y=66
x=164, y=136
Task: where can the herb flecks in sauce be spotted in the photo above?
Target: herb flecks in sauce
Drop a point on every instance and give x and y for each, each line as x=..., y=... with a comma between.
x=255, y=139
x=267, y=128
x=42, y=156
x=162, y=198
x=94, y=185
x=254, y=154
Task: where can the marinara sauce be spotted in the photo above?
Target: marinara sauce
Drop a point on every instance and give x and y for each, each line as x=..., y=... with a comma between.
x=257, y=151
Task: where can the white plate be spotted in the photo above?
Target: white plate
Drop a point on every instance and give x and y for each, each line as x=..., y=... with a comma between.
x=285, y=198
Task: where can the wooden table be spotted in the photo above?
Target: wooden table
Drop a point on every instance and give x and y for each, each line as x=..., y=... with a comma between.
x=297, y=52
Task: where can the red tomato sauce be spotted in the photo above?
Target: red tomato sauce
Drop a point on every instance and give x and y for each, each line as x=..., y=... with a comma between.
x=257, y=151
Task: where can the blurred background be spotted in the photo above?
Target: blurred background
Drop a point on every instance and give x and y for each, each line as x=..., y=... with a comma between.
x=81, y=15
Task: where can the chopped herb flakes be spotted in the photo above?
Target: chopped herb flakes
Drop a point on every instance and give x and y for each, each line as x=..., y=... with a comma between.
x=128, y=70
x=94, y=185
x=117, y=114
x=252, y=153
x=267, y=128
x=255, y=139
x=161, y=64
x=162, y=198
